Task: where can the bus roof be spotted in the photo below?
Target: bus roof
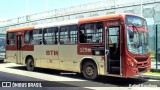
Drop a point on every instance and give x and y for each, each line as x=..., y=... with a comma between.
x=99, y=18
x=21, y=29
x=71, y=22
x=56, y=24
x=105, y=17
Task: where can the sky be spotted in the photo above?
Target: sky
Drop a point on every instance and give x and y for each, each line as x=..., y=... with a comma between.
x=17, y=8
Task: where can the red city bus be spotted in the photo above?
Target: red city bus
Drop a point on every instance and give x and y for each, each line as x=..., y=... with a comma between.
x=113, y=45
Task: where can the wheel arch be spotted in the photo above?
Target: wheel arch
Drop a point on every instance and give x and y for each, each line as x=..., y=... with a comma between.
x=28, y=56
x=88, y=59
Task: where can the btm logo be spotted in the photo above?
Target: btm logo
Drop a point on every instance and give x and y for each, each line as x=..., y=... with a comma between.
x=51, y=52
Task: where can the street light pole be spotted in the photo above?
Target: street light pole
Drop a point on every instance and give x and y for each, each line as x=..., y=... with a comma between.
x=141, y=8
x=114, y=6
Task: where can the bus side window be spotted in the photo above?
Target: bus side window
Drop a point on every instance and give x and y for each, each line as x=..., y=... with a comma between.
x=73, y=34
x=37, y=37
x=11, y=38
x=50, y=35
x=26, y=37
x=63, y=34
x=68, y=34
x=31, y=37
x=82, y=35
x=91, y=33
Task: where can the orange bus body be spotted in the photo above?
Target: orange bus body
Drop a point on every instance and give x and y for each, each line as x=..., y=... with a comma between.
x=92, y=46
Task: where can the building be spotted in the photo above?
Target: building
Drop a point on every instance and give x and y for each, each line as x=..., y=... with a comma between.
x=149, y=9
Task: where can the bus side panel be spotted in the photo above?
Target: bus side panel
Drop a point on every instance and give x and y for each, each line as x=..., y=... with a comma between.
x=11, y=56
x=68, y=58
x=71, y=61
x=100, y=64
x=47, y=55
x=30, y=53
x=99, y=60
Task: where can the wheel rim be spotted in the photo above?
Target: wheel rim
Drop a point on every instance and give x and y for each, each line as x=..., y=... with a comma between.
x=90, y=71
x=30, y=64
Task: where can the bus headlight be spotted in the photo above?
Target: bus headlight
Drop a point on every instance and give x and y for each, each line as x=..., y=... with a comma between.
x=131, y=62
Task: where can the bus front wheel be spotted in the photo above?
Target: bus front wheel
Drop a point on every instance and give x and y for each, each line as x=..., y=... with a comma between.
x=30, y=64
x=90, y=70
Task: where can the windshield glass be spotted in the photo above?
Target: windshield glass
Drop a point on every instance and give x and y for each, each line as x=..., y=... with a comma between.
x=2, y=42
x=137, y=35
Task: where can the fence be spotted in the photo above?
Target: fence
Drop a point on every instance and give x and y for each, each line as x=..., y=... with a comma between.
x=154, y=43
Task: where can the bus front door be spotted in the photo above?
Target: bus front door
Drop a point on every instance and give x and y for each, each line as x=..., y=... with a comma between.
x=112, y=50
x=19, y=49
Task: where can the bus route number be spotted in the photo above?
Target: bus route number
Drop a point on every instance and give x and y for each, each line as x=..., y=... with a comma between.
x=85, y=49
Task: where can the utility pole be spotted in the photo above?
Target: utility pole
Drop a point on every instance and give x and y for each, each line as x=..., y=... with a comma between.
x=114, y=6
x=142, y=8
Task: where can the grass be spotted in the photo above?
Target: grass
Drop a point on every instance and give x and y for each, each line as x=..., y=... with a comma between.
x=154, y=73
x=152, y=54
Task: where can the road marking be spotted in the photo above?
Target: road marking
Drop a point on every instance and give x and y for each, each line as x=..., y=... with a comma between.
x=153, y=80
x=38, y=75
x=50, y=77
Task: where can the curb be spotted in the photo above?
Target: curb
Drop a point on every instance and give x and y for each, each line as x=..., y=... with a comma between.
x=149, y=76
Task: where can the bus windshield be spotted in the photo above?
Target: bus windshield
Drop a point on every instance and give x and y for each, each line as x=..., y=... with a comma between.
x=2, y=42
x=137, y=35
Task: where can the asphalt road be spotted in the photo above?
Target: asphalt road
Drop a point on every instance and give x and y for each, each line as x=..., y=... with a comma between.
x=13, y=78
x=61, y=80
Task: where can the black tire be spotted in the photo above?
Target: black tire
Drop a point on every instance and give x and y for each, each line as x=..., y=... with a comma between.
x=1, y=61
x=90, y=70
x=30, y=64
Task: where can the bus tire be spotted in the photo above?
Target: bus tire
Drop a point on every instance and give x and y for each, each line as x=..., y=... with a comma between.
x=1, y=61
x=90, y=70
x=30, y=64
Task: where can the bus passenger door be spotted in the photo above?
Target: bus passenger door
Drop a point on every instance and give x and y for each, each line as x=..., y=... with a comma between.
x=19, y=49
x=112, y=48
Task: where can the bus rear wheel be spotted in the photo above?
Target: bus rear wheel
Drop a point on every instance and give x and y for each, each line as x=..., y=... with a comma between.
x=30, y=64
x=1, y=61
x=90, y=70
